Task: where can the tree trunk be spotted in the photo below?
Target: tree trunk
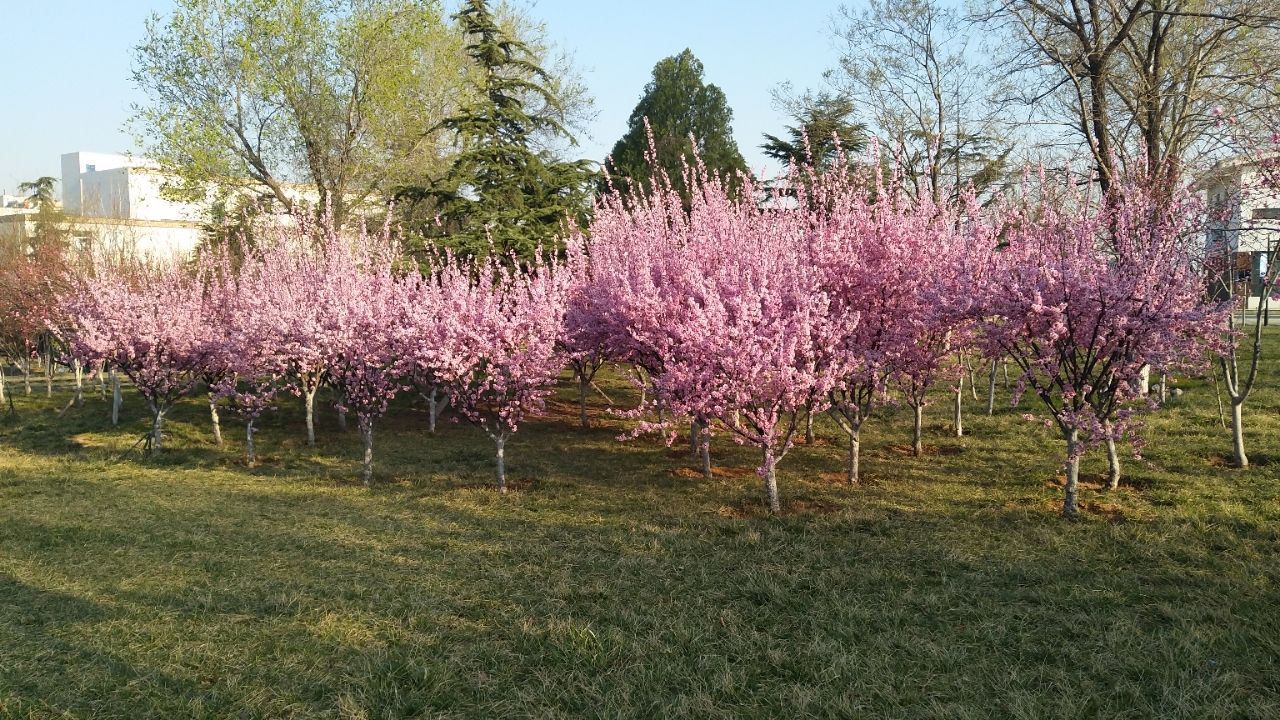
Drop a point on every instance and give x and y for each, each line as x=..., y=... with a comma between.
x=500, y=441
x=705, y=446
x=1144, y=381
x=434, y=408
x=991, y=389
x=1164, y=388
x=855, y=448
x=1113, y=463
x=248, y=443
x=694, y=435
x=959, y=409
x=156, y=436
x=48, y=374
x=771, y=483
x=116, y=399
x=1004, y=363
x=582, y=400
x=1069, y=502
x=917, y=438
x=213, y=415
x=808, y=425
x=309, y=396
x=366, y=432
x=79, y=369
x=102, y=380
x=26, y=373
x=3, y=390
x=1237, y=433
x=342, y=417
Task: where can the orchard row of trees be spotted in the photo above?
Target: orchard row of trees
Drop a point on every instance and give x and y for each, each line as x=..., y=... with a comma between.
x=740, y=311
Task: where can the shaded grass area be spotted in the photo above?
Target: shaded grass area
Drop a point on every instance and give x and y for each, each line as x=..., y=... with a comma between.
x=612, y=584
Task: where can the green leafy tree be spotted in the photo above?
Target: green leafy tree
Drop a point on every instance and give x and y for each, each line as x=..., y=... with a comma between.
x=319, y=103
x=826, y=123
x=504, y=186
x=678, y=104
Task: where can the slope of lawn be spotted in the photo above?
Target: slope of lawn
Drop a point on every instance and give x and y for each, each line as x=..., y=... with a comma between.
x=615, y=582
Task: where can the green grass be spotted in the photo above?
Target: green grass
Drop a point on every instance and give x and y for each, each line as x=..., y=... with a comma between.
x=610, y=586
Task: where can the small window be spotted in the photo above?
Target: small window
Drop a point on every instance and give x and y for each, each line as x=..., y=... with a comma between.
x=1266, y=214
x=90, y=168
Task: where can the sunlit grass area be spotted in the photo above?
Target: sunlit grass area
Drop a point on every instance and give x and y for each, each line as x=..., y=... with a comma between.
x=615, y=582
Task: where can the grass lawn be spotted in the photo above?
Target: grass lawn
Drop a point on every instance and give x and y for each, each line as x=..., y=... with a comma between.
x=612, y=584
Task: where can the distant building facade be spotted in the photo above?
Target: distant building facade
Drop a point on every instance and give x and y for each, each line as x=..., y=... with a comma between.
x=1250, y=227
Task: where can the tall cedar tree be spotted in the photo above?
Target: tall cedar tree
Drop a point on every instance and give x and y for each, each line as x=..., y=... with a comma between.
x=678, y=104
x=820, y=121
x=500, y=186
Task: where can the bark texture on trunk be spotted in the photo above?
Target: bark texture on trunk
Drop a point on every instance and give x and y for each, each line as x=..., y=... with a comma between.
x=991, y=389
x=959, y=409
x=500, y=441
x=855, y=448
x=116, y=398
x=1237, y=434
x=213, y=415
x=1070, y=500
x=917, y=438
x=704, y=446
x=1113, y=464
x=366, y=432
x=156, y=423
x=695, y=434
x=808, y=425
x=248, y=443
x=771, y=484
x=79, y=370
x=309, y=397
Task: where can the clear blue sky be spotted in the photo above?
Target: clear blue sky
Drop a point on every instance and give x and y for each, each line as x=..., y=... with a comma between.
x=66, y=66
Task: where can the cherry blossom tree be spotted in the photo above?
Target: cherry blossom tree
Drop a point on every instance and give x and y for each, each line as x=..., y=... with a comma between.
x=501, y=322
x=149, y=324
x=1087, y=291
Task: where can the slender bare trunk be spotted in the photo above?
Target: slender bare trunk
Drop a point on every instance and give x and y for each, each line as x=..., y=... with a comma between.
x=342, y=416
x=855, y=449
x=79, y=370
x=973, y=384
x=435, y=406
x=102, y=380
x=582, y=400
x=959, y=409
x=1144, y=381
x=1070, y=501
x=26, y=373
x=213, y=415
x=1004, y=363
x=4, y=391
x=1237, y=433
x=48, y=373
x=917, y=438
x=705, y=446
x=309, y=396
x=771, y=483
x=1164, y=388
x=366, y=432
x=156, y=423
x=991, y=389
x=500, y=440
x=248, y=443
x=694, y=434
x=116, y=398
x=1113, y=463
x=808, y=424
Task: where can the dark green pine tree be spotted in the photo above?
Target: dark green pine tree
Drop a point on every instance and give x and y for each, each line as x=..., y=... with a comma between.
x=499, y=186
x=677, y=104
x=821, y=119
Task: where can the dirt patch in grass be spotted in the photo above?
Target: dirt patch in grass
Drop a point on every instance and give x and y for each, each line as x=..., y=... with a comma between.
x=718, y=472
x=1087, y=481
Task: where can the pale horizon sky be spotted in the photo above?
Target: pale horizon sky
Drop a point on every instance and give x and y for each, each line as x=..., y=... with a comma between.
x=68, y=66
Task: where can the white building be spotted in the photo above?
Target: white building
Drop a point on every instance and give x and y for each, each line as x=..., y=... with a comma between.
x=118, y=201
x=1251, y=226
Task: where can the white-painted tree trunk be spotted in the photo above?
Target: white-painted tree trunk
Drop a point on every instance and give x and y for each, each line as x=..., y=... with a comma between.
x=500, y=441
x=366, y=432
x=26, y=373
x=79, y=370
x=991, y=389
x=917, y=438
x=959, y=409
x=1113, y=464
x=213, y=416
x=309, y=396
x=102, y=380
x=1144, y=381
x=1237, y=433
x=116, y=398
x=1070, y=500
x=248, y=443
x=156, y=426
x=771, y=484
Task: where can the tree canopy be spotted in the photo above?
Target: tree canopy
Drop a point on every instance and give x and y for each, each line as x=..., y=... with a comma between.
x=678, y=104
